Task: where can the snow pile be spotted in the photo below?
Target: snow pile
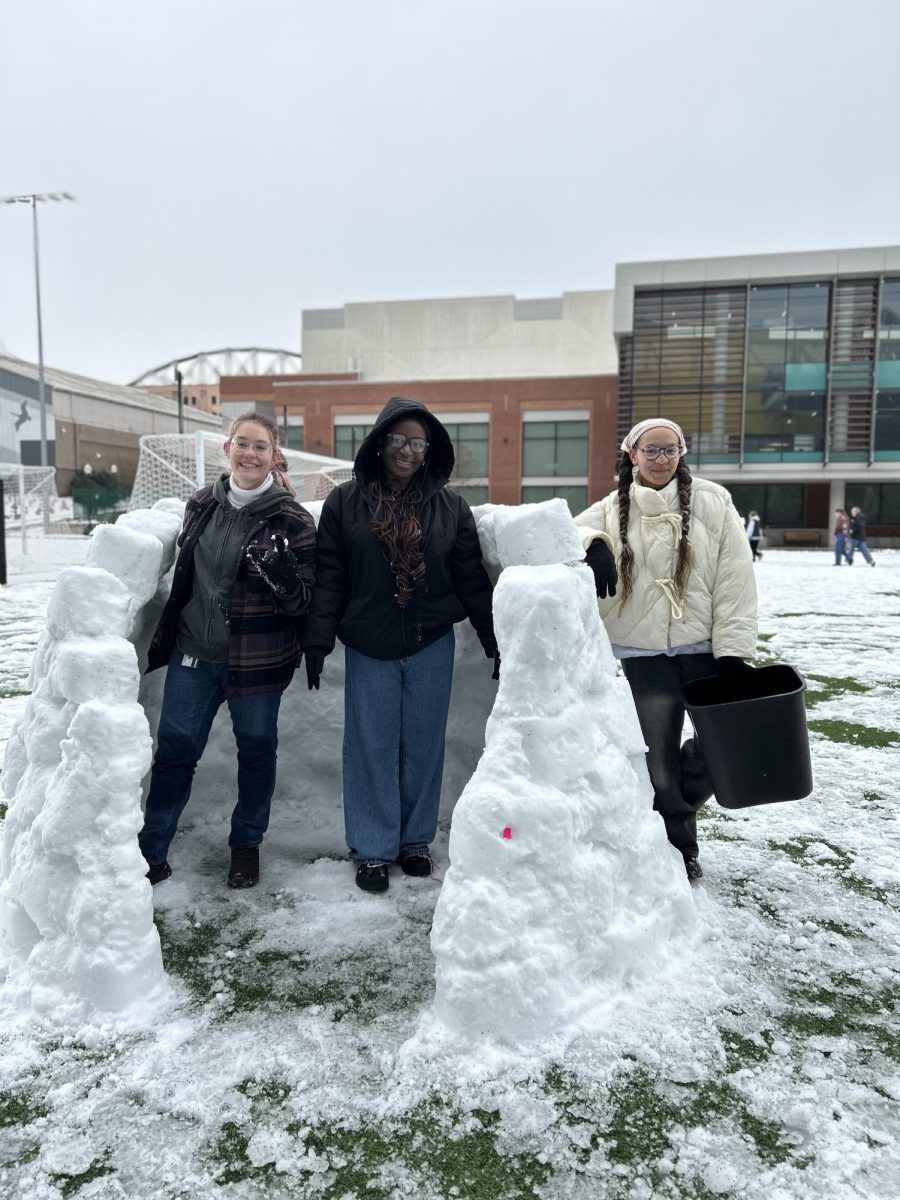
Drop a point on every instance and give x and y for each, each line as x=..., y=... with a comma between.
x=562, y=888
x=76, y=916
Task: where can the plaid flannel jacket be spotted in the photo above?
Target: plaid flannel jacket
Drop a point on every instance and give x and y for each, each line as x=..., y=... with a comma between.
x=264, y=640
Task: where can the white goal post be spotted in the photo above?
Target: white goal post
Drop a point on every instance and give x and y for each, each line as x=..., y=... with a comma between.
x=177, y=464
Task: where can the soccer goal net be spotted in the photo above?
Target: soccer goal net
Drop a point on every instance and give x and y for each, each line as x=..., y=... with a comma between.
x=177, y=464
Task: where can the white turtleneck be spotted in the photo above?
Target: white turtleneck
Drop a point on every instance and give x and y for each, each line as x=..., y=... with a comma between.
x=238, y=497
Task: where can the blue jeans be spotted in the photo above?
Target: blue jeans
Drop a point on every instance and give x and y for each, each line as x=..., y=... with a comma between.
x=191, y=699
x=841, y=549
x=395, y=719
x=860, y=545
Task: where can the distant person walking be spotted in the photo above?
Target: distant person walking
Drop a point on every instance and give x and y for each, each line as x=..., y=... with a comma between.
x=841, y=535
x=858, y=536
x=754, y=533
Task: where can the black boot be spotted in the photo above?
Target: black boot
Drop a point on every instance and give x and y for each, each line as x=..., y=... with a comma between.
x=372, y=876
x=244, y=870
x=692, y=867
x=157, y=872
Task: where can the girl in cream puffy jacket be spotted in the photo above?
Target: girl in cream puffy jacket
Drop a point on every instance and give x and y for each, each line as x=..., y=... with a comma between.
x=684, y=605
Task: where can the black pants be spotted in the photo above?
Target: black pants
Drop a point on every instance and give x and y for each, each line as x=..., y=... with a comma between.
x=681, y=782
x=754, y=546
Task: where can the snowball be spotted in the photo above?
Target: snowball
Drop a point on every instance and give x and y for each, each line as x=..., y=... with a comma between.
x=169, y=504
x=88, y=602
x=131, y=555
x=97, y=668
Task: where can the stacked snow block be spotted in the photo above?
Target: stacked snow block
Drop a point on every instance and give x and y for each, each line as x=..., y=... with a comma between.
x=77, y=938
x=562, y=891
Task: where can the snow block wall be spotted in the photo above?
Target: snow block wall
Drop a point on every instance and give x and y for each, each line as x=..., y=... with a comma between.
x=562, y=887
x=77, y=939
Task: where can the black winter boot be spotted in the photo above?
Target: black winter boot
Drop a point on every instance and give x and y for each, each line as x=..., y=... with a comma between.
x=692, y=867
x=157, y=872
x=244, y=869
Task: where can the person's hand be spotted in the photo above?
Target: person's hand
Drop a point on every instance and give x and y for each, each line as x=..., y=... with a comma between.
x=315, y=662
x=278, y=565
x=496, y=674
x=602, y=562
x=733, y=668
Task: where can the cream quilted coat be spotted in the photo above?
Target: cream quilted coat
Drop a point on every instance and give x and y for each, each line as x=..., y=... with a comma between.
x=720, y=598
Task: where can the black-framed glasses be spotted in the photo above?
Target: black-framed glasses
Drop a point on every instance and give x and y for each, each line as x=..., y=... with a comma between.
x=653, y=452
x=398, y=440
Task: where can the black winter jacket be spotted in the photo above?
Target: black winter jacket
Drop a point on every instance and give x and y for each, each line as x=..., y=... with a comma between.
x=858, y=527
x=355, y=594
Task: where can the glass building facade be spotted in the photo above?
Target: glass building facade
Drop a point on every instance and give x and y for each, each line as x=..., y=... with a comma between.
x=798, y=372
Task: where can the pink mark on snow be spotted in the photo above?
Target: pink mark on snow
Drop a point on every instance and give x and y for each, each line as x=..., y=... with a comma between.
x=506, y=834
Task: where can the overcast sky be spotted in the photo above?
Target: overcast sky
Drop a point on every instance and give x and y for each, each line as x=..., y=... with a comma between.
x=235, y=162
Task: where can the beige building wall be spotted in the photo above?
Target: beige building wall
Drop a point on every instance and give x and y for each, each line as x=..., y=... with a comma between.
x=481, y=337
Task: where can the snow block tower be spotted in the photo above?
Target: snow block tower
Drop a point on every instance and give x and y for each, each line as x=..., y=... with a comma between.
x=77, y=938
x=562, y=889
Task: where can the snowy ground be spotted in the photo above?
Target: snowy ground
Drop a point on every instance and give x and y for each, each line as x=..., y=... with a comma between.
x=769, y=1066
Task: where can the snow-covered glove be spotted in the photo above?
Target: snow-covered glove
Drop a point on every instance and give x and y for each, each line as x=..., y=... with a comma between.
x=602, y=562
x=315, y=662
x=496, y=674
x=733, y=668
x=278, y=566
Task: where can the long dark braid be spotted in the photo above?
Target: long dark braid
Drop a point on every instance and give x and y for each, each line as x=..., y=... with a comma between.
x=395, y=526
x=626, y=557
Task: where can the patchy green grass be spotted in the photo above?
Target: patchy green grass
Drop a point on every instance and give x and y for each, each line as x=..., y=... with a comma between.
x=20, y=1108
x=71, y=1185
x=830, y=688
x=219, y=964
x=848, y=1006
x=842, y=864
x=432, y=1149
x=847, y=733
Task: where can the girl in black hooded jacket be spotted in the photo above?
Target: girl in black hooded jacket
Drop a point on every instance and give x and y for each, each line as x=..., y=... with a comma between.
x=397, y=565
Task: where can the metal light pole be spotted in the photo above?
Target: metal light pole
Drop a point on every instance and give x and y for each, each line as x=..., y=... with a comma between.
x=33, y=198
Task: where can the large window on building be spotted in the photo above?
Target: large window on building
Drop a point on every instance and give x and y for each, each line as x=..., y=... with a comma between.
x=787, y=367
x=469, y=433
x=349, y=435
x=555, y=457
x=685, y=361
x=778, y=504
x=887, y=405
x=879, y=501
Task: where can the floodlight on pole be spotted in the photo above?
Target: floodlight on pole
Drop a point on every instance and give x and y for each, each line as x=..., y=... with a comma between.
x=33, y=198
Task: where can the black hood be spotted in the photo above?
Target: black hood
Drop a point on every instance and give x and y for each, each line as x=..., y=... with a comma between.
x=440, y=458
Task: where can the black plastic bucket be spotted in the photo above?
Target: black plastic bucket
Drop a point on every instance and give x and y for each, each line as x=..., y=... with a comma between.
x=752, y=732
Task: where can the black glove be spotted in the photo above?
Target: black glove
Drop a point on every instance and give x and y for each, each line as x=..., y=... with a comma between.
x=496, y=674
x=278, y=565
x=602, y=562
x=315, y=661
x=733, y=668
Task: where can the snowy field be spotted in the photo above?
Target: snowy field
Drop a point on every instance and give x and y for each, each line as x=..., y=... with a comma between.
x=767, y=1066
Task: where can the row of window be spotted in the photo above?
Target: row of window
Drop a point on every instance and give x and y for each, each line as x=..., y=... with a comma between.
x=551, y=450
x=781, y=504
x=758, y=372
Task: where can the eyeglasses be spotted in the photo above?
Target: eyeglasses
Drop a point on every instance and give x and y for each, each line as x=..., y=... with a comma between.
x=653, y=452
x=257, y=447
x=397, y=441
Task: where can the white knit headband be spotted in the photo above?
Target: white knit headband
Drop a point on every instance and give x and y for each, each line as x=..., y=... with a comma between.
x=641, y=428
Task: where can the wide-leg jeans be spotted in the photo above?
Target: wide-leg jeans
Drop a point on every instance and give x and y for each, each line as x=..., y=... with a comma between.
x=191, y=699
x=395, y=720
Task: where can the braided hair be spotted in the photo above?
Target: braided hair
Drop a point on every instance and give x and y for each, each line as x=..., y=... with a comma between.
x=395, y=526
x=626, y=558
